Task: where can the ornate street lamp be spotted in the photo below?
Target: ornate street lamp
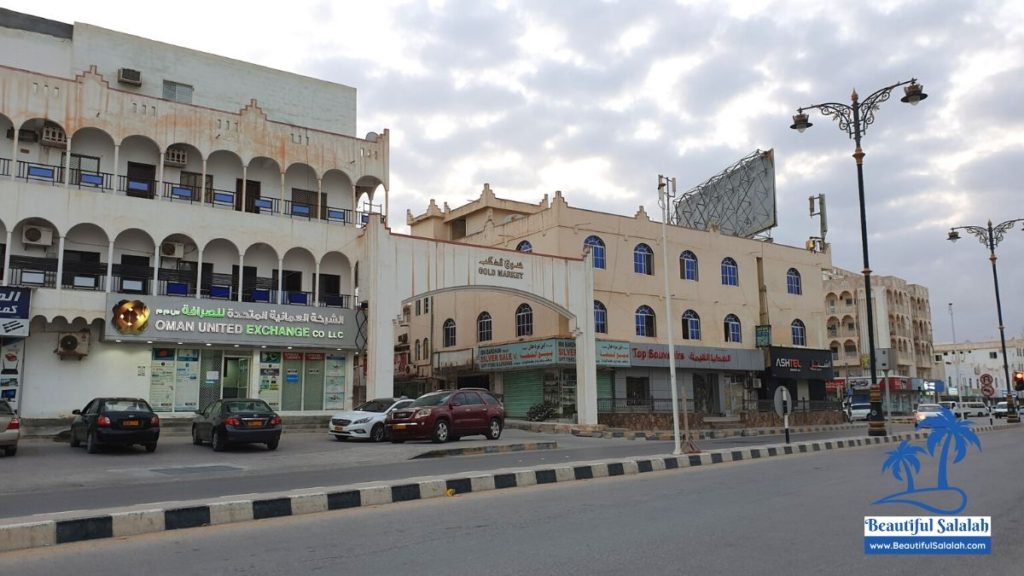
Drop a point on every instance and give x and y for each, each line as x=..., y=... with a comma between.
x=854, y=119
x=990, y=236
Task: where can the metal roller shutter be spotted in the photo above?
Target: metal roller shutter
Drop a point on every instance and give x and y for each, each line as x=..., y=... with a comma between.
x=605, y=385
x=521, y=391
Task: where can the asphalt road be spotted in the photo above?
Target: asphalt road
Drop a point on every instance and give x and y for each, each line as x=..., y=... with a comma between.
x=799, y=514
x=49, y=477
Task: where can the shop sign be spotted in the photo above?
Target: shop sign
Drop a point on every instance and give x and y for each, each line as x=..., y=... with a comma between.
x=167, y=318
x=701, y=357
x=548, y=352
x=14, y=315
x=501, y=267
x=800, y=363
x=763, y=335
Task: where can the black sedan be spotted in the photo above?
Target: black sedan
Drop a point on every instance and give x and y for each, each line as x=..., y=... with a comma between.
x=243, y=421
x=115, y=422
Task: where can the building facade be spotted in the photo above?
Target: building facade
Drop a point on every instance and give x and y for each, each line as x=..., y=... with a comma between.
x=175, y=225
x=969, y=366
x=728, y=293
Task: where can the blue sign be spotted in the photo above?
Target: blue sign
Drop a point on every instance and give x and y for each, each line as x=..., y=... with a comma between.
x=14, y=311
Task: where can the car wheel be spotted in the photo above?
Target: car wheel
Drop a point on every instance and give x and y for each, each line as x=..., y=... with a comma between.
x=377, y=433
x=75, y=442
x=272, y=445
x=494, y=430
x=441, y=432
x=195, y=437
x=10, y=451
x=91, y=445
x=218, y=442
x=151, y=447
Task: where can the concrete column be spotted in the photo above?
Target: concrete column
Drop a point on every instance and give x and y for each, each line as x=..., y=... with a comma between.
x=280, y=278
x=384, y=305
x=202, y=183
x=7, y=258
x=117, y=154
x=387, y=205
x=67, y=161
x=156, y=271
x=582, y=305
x=316, y=284
x=14, y=166
x=159, y=178
x=245, y=172
x=241, y=274
x=199, y=272
x=319, y=197
x=110, y=267
x=282, y=190
x=60, y=262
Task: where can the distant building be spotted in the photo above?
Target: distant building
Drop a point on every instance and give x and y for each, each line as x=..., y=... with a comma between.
x=980, y=362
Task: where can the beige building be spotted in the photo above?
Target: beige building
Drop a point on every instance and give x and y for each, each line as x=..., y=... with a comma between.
x=903, y=324
x=723, y=288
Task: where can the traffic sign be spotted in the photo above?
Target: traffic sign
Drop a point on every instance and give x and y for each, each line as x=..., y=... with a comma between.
x=782, y=395
x=985, y=379
x=987, y=390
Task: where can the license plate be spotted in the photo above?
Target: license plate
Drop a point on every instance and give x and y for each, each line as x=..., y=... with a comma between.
x=254, y=424
x=129, y=424
x=398, y=426
x=339, y=428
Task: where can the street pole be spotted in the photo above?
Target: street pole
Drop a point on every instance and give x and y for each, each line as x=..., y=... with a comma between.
x=854, y=119
x=664, y=198
x=956, y=353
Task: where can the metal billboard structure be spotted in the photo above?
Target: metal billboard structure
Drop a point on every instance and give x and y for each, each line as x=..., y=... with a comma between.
x=739, y=201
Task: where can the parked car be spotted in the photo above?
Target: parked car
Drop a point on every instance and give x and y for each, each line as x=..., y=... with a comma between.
x=859, y=411
x=237, y=421
x=969, y=409
x=115, y=422
x=448, y=415
x=925, y=411
x=366, y=422
x=1000, y=410
x=10, y=429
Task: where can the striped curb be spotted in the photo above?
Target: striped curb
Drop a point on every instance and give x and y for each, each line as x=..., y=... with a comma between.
x=67, y=528
x=475, y=450
x=713, y=434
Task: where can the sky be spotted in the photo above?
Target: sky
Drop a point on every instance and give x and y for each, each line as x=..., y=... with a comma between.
x=597, y=98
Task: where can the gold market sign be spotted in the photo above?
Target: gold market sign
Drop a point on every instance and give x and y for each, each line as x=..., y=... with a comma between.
x=501, y=267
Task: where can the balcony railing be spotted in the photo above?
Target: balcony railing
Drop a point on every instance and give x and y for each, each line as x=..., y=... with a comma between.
x=33, y=271
x=38, y=172
x=84, y=275
x=639, y=405
x=5, y=167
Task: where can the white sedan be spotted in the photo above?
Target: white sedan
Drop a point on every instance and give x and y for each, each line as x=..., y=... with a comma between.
x=366, y=422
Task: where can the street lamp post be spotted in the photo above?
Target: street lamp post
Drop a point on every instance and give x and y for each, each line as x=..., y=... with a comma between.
x=959, y=395
x=990, y=237
x=854, y=119
x=666, y=192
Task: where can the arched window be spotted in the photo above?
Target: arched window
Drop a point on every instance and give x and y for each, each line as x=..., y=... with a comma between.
x=733, y=332
x=417, y=350
x=426, y=348
x=645, y=322
x=688, y=266
x=691, y=325
x=524, y=320
x=525, y=246
x=600, y=318
x=596, y=249
x=643, y=259
x=799, y=333
x=483, y=327
x=730, y=273
x=793, y=282
x=449, y=332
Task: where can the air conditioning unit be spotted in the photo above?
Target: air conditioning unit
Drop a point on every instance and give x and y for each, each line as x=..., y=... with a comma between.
x=403, y=338
x=54, y=136
x=36, y=236
x=172, y=250
x=72, y=344
x=176, y=157
x=129, y=76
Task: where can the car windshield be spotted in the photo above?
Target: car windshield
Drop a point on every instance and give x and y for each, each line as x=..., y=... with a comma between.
x=929, y=408
x=126, y=406
x=5, y=408
x=246, y=406
x=1001, y=405
x=432, y=399
x=379, y=405
x=861, y=407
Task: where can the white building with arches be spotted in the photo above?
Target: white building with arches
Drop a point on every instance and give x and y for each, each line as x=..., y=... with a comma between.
x=217, y=203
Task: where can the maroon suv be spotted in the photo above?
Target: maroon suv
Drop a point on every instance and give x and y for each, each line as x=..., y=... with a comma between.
x=447, y=415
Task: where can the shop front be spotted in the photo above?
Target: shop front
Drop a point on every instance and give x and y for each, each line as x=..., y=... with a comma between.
x=542, y=371
x=14, y=327
x=805, y=372
x=715, y=379
x=203, y=351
